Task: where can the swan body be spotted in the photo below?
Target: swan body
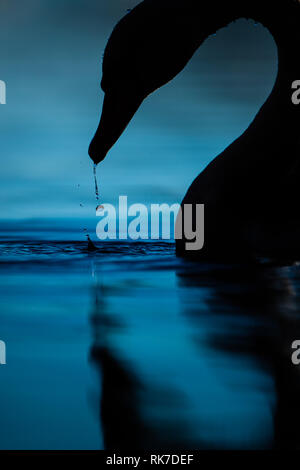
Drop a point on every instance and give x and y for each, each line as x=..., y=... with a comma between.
x=251, y=190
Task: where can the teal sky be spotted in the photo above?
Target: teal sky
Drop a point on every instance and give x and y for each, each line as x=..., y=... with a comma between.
x=51, y=54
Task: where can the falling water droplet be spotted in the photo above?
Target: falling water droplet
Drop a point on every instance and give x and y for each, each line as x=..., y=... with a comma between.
x=96, y=183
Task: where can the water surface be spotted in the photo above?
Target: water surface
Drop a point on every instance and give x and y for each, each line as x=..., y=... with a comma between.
x=129, y=346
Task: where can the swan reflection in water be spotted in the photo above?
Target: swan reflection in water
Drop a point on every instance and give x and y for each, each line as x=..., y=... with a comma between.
x=209, y=369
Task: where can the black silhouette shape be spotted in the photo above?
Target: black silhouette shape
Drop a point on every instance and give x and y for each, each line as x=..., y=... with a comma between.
x=269, y=298
x=250, y=190
x=123, y=395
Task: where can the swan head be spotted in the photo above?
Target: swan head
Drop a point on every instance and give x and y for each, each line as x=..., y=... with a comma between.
x=146, y=49
x=154, y=42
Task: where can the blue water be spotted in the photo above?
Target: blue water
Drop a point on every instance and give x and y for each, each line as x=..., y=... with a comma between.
x=130, y=346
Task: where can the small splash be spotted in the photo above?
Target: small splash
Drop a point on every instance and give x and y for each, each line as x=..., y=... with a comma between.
x=91, y=246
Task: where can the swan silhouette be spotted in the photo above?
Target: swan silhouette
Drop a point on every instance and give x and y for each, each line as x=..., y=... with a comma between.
x=250, y=191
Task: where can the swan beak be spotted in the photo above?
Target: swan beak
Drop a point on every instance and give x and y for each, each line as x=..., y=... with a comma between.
x=117, y=111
